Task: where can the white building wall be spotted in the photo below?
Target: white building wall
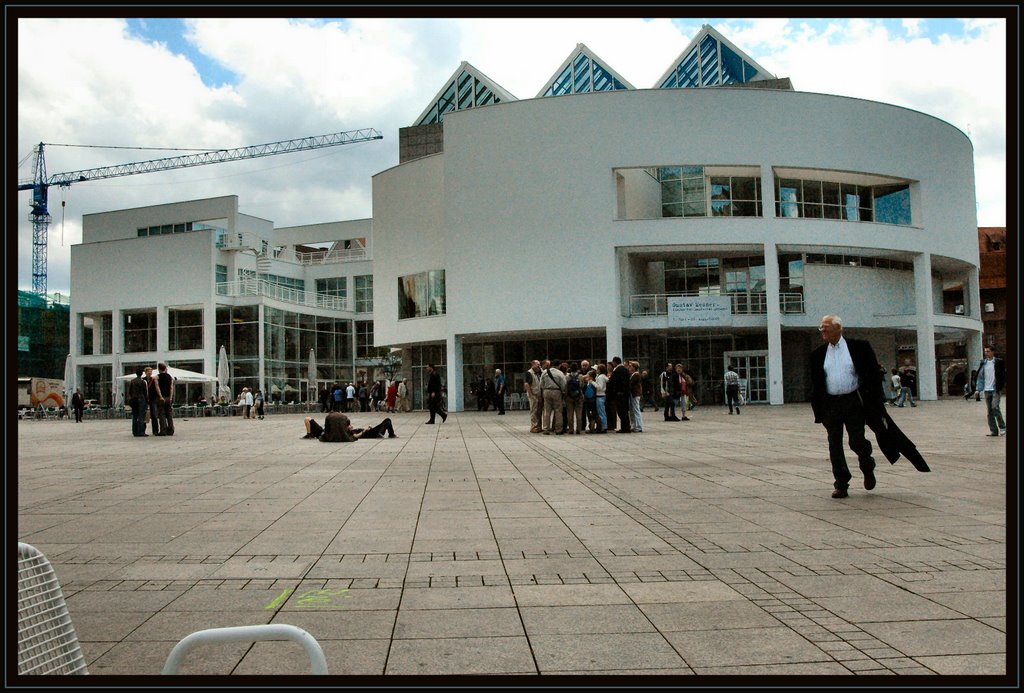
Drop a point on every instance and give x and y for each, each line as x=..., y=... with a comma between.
x=536, y=217
x=409, y=201
x=125, y=223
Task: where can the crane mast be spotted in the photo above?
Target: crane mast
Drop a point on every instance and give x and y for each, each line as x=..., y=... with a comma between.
x=39, y=184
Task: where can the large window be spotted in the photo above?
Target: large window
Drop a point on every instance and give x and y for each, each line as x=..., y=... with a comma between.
x=735, y=196
x=288, y=338
x=817, y=199
x=682, y=191
x=688, y=191
x=421, y=295
x=184, y=328
x=139, y=330
x=364, y=293
x=364, y=339
x=333, y=286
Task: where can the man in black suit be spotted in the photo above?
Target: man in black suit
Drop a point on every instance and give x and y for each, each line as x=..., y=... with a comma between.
x=434, y=395
x=844, y=374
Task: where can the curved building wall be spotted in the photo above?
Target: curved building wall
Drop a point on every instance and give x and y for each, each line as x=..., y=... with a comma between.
x=522, y=209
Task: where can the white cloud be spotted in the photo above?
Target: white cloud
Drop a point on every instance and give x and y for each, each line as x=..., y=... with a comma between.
x=299, y=78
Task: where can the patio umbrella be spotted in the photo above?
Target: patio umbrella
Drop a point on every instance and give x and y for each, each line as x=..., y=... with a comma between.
x=312, y=376
x=115, y=384
x=69, y=379
x=223, y=371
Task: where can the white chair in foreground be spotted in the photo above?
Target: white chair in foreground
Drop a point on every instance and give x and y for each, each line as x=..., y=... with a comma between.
x=47, y=643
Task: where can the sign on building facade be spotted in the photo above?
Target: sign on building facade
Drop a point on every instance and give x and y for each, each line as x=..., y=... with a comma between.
x=699, y=311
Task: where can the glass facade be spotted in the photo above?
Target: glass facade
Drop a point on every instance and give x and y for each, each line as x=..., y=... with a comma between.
x=238, y=332
x=184, y=328
x=421, y=295
x=514, y=356
x=583, y=74
x=139, y=330
x=465, y=91
x=415, y=371
x=287, y=339
x=708, y=63
x=702, y=355
x=364, y=293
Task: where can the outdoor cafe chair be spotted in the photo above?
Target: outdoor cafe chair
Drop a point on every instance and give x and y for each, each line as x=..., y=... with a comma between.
x=47, y=643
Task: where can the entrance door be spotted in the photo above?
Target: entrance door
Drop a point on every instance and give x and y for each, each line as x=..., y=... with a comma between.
x=752, y=367
x=304, y=391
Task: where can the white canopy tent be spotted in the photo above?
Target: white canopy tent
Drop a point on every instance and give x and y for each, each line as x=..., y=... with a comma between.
x=181, y=375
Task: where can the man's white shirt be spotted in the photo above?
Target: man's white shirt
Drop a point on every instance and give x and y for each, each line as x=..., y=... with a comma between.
x=840, y=375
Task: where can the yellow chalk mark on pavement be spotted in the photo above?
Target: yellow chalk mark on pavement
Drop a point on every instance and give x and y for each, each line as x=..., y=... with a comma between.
x=281, y=598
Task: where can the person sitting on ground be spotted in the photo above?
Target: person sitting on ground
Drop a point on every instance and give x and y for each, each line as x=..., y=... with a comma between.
x=338, y=429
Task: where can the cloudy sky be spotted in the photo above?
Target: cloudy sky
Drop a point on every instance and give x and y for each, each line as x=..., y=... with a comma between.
x=216, y=83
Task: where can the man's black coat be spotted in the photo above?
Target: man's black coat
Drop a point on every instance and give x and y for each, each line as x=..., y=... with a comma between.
x=891, y=440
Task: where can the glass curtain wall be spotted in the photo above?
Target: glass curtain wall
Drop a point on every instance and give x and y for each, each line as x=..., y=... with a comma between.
x=415, y=371
x=700, y=353
x=421, y=295
x=288, y=337
x=238, y=333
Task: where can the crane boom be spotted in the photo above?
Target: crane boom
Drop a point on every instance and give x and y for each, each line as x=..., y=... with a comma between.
x=40, y=183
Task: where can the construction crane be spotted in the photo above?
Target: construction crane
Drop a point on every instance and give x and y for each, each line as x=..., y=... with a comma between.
x=40, y=184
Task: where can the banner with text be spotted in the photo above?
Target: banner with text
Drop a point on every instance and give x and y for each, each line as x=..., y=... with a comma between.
x=699, y=311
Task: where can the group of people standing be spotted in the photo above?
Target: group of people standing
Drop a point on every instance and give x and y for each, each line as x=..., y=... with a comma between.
x=153, y=394
x=573, y=398
x=251, y=403
x=382, y=395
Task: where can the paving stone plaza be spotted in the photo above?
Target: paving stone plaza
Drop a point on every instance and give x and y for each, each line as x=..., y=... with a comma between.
x=710, y=547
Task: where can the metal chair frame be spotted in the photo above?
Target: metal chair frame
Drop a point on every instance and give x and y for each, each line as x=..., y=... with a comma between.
x=48, y=644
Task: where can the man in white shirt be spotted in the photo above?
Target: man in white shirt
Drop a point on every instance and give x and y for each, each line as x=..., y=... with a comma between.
x=844, y=374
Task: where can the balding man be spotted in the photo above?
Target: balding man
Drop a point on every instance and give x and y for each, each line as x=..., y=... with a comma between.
x=846, y=388
x=531, y=384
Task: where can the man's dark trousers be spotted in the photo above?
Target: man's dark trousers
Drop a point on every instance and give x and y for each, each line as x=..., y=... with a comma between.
x=846, y=411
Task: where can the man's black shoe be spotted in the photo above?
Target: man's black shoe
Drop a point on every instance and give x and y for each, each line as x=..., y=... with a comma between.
x=869, y=480
x=430, y=422
x=840, y=493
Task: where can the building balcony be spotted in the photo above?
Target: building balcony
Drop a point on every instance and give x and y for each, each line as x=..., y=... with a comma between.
x=259, y=287
x=242, y=240
x=742, y=303
x=324, y=257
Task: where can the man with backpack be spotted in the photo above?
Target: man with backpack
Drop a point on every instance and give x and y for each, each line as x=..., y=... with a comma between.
x=574, y=400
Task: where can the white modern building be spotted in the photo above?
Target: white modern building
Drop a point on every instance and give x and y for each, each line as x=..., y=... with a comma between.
x=705, y=225
x=175, y=282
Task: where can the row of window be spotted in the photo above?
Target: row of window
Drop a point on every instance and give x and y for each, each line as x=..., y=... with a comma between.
x=184, y=227
x=699, y=191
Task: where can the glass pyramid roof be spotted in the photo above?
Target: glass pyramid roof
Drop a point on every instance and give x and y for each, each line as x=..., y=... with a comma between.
x=710, y=59
x=466, y=88
x=583, y=72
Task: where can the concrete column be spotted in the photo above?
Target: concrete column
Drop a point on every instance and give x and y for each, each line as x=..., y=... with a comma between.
x=210, y=346
x=972, y=298
x=767, y=191
x=771, y=276
x=116, y=331
x=162, y=338
x=925, y=307
x=975, y=350
x=454, y=369
x=260, y=335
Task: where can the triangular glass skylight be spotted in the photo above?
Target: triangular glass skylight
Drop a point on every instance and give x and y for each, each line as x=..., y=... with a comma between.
x=466, y=88
x=583, y=72
x=709, y=60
